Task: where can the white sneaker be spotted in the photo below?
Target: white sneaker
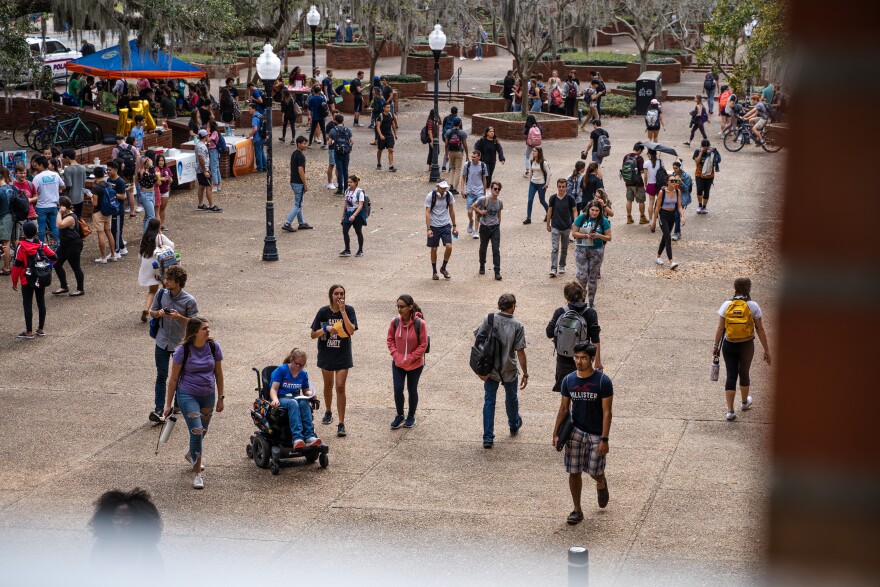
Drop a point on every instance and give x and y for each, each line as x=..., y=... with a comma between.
x=213, y=188
x=331, y=186
x=462, y=58
x=659, y=261
x=470, y=229
x=552, y=273
x=730, y=416
x=123, y=251
x=139, y=209
x=747, y=404
x=199, y=482
x=562, y=270
x=116, y=257
x=102, y=260
x=673, y=265
x=476, y=235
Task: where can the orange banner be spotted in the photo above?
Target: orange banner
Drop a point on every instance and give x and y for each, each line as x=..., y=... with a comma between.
x=244, y=158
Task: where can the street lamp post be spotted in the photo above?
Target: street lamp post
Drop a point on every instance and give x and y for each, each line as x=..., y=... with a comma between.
x=314, y=19
x=268, y=68
x=437, y=41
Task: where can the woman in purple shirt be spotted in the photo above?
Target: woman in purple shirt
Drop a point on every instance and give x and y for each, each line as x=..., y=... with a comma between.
x=197, y=371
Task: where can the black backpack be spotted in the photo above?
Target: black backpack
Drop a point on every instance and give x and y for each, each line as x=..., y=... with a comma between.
x=662, y=175
x=263, y=129
x=709, y=83
x=424, y=135
x=39, y=269
x=342, y=142
x=484, y=353
x=434, y=198
x=418, y=332
x=325, y=108
x=368, y=205
x=19, y=205
x=126, y=161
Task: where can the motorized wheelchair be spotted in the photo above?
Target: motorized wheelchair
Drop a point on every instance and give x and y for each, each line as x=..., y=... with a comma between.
x=272, y=442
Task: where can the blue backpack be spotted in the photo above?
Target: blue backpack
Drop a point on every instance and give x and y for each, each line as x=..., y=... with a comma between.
x=221, y=143
x=109, y=203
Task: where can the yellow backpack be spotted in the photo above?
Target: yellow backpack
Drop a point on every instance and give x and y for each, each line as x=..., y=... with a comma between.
x=739, y=325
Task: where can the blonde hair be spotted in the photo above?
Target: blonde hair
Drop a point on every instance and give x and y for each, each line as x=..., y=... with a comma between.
x=294, y=354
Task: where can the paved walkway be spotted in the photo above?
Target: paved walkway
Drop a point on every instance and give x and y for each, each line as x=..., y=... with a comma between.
x=688, y=489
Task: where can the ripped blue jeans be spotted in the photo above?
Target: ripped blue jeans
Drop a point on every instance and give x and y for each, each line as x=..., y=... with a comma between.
x=197, y=411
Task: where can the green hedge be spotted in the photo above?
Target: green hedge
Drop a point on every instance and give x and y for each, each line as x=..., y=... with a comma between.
x=668, y=52
x=348, y=44
x=486, y=95
x=403, y=79
x=207, y=59
x=630, y=86
x=617, y=106
x=426, y=54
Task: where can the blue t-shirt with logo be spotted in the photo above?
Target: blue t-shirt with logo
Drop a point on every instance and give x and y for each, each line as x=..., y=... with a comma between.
x=290, y=386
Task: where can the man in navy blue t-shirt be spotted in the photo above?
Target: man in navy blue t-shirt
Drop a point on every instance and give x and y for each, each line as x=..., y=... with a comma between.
x=586, y=396
x=317, y=114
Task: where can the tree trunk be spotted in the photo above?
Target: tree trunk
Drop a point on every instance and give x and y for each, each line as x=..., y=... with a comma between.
x=250, y=47
x=643, y=57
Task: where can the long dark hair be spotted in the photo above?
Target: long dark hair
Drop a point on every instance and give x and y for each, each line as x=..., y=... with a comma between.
x=330, y=293
x=148, y=241
x=530, y=122
x=742, y=286
x=652, y=154
x=146, y=522
x=486, y=134
x=409, y=301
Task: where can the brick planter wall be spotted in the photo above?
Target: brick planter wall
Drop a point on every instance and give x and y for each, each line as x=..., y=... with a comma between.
x=475, y=105
x=245, y=120
x=556, y=127
x=671, y=72
x=603, y=39
x=620, y=74
x=357, y=56
x=19, y=108
x=496, y=88
x=424, y=66
x=470, y=52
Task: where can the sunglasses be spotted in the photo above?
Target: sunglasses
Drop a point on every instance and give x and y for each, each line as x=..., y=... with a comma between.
x=300, y=365
x=495, y=189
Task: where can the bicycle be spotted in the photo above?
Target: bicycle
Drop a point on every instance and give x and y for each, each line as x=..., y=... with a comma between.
x=73, y=132
x=744, y=134
x=48, y=238
x=24, y=131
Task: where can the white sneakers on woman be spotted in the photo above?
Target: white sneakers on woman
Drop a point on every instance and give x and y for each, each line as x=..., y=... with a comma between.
x=199, y=482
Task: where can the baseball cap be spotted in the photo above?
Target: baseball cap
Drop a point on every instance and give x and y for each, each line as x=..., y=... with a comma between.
x=442, y=184
x=655, y=101
x=203, y=133
x=456, y=120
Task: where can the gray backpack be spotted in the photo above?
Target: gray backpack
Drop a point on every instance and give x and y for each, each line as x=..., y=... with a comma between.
x=571, y=328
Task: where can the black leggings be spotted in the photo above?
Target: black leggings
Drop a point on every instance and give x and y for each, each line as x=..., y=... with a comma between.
x=27, y=298
x=490, y=169
x=70, y=252
x=737, y=360
x=288, y=120
x=698, y=125
x=317, y=123
x=358, y=230
x=411, y=378
x=667, y=222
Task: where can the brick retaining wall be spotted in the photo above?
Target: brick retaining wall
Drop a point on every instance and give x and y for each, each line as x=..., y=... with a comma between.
x=475, y=105
x=558, y=127
x=424, y=66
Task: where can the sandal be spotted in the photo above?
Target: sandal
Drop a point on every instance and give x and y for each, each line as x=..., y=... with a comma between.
x=575, y=517
x=60, y=291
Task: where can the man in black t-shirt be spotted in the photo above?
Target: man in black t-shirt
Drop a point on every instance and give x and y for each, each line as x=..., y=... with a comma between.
x=356, y=88
x=593, y=145
x=586, y=397
x=385, y=138
x=507, y=90
x=299, y=184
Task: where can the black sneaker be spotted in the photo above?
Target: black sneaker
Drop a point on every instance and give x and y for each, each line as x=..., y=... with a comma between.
x=378, y=166
x=487, y=444
x=392, y=169
x=328, y=417
x=340, y=430
x=527, y=221
x=602, y=495
x=497, y=276
x=203, y=207
x=156, y=417
x=397, y=422
x=575, y=517
x=482, y=270
x=288, y=228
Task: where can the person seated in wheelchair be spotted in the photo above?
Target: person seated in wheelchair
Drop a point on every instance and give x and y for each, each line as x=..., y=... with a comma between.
x=291, y=391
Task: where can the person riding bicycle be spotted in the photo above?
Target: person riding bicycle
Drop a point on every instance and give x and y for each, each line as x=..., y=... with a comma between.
x=758, y=117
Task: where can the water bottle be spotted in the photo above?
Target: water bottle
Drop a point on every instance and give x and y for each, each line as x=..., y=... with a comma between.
x=170, y=421
x=713, y=371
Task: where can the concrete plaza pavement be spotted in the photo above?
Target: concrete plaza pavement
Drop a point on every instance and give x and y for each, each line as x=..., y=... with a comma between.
x=688, y=489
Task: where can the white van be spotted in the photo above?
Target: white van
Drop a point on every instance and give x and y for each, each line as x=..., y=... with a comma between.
x=54, y=54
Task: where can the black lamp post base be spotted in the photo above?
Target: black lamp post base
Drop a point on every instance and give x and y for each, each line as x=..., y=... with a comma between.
x=270, y=249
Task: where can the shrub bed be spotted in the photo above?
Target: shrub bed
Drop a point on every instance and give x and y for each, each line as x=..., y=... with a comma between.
x=509, y=125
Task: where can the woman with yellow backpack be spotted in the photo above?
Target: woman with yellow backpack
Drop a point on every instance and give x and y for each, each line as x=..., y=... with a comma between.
x=740, y=320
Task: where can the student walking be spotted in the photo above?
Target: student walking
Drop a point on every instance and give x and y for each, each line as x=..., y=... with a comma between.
x=654, y=120
x=699, y=117
x=534, y=136
x=165, y=179
x=341, y=145
x=473, y=184
x=511, y=339
x=334, y=326
x=28, y=247
x=456, y=147
x=150, y=241
x=173, y=308
x=299, y=184
x=633, y=174
x=386, y=137
x=70, y=249
x=353, y=216
x=407, y=341
x=560, y=217
x=685, y=184
x=591, y=230
x=489, y=208
x=319, y=110
x=107, y=204
x=148, y=176
x=668, y=205
x=258, y=135
x=539, y=171
x=581, y=324
x=707, y=159
x=447, y=126
x=197, y=381
x=440, y=225
x=586, y=397
x=652, y=184
x=739, y=320
x=490, y=151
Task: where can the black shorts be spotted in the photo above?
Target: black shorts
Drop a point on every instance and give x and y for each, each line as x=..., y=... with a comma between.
x=358, y=103
x=203, y=180
x=386, y=143
x=441, y=233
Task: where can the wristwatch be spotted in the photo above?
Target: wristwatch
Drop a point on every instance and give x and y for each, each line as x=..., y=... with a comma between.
x=604, y=439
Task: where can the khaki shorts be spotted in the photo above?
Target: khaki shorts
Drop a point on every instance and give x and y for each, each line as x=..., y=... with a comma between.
x=635, y=193
x=102, y=223
x=762, y=122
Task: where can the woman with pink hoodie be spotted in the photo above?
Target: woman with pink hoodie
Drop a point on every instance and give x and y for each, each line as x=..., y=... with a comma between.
x=408, y=343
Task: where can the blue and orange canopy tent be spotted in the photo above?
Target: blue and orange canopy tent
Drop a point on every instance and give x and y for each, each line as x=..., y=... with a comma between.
x=108, y=64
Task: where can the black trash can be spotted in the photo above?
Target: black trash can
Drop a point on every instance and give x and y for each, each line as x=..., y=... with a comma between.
x=648, y=86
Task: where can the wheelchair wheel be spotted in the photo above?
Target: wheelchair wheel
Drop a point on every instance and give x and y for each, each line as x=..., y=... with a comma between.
x=262, y=452
x=311, y=456
x=249, y=451
x=323, y=460
x=275, y=467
